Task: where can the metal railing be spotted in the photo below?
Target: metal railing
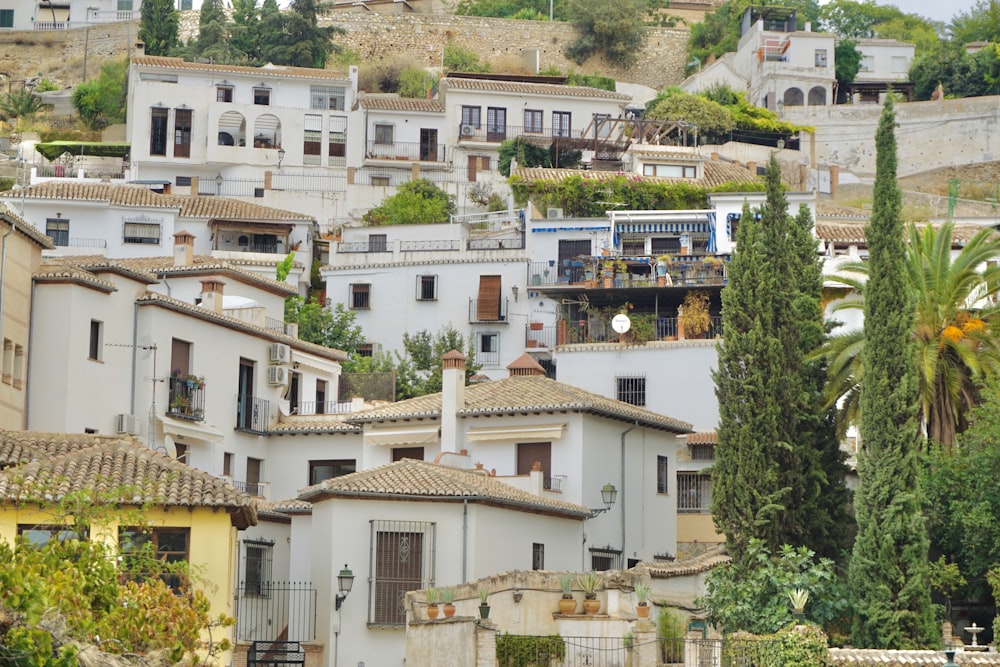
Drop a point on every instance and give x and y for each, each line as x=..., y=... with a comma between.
x=363, y=246
x=252, y=488
x=321, y=408
x=252, y=414
x=599, y=331
x=694, y=493
x=86, y=243
x=495, y=133
x=263, y=248
x=308, y=182
x=406, y=151
x=509, y=243
x=428, y=246
x=487, y=310
x=537, y=335
x=231, y=187
x=187, y=398
x=266, y=610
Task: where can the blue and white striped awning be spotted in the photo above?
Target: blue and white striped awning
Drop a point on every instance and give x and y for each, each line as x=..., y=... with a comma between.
x=664, y=228
x=536, y=230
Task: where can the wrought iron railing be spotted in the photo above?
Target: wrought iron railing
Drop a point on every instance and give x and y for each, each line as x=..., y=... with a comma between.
x=251, y=488
x=187, y=398
x=495, y=133
x=322, y=407
x=509, y=243
x=266, y=610
x=694, y=493
x=487, y=310
x=363, y=246
x=406, y=151
x=428, y=246
x=252, y=414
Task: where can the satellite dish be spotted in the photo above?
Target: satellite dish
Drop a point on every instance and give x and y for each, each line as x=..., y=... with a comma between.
x=621, y=323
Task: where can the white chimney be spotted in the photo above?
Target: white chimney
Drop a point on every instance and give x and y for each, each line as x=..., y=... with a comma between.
x=211, y=294
x=452, y=398
x=183, y=248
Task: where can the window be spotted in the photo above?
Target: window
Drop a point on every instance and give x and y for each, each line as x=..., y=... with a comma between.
x=426, y=288
x=96, y=340
x=320, y=470
x=6, y=18
x=402, y=561
x=182, y=133
x=496, y=123
x=365, y=350
x=58, y=229
x=321, y=397
x=141, y=230
x=633, y=244
x=169, y=545
x=694, y=493
x=529, y=453
x=382, y=181
x=8, y=361
x=330, y=98
x=361, y=296
x=155, y=76
x=488, y=348
x=124, y=5
x=337, y=146
x=820, y=57
x=227, y=464
x=670, y=170
x=262, y=96
x=561, y=123
x=253, y=485
x=181, y=452
x=18, y=366
x=537, y=556
x=867, y=64
x=900, y=64
x=400, y=453
x=604, y=559
x=378, y=243
x=662, y=472
x=383, y=134
x=533, y=120
x=488, y=305
x=631, y=389
x=662, y=245
x=224, y=94
x=158, y=131
x=702, y=452
x=257, y=557
x=38, y=536
x=184, y=181
x=312, y=140
x=471, y=117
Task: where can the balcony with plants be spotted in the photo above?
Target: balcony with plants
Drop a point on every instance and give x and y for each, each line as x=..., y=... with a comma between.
x=187, y=397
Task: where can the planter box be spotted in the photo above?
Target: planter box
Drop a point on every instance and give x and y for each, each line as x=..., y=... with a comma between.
x=535, y=326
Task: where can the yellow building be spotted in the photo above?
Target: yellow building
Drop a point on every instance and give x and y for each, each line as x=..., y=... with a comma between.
x=191, y=515
x=20, y=255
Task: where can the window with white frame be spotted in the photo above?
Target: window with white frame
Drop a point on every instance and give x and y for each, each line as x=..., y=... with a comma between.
x=330, y=98
x=867, y=64
x=224, y=93
x=820, y=58
x=662, y=474
x=670, y=170
x=141, y=230
x=262, y=96
x=383, y=134
x=402, y=555
x=257, y=557
x=488, y=348
x=427, y=288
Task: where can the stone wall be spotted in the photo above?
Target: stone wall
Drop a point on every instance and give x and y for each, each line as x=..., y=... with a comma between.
x=64, y=55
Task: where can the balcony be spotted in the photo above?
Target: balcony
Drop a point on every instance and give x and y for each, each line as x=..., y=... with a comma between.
x=258, y=489
x=187, y=398
x=405, y=151
x=487, y=311
x=495, y=133
x=683, y=270
x=646, y=328
x=252, y=414
x=321, y=407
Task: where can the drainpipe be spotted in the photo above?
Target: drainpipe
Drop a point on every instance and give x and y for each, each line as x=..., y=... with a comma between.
x=135, y=350
x=621, y=493
x=27, y=364
x=465, y=539
x=3, y=264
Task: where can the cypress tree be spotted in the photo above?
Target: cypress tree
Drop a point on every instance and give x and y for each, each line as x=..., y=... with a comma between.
x=158, y=27
x=244, y=32
x=213, y=33
x=888, y=572
x=303, y=42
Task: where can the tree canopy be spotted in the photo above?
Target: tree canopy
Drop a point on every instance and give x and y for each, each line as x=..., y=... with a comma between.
x=416, y=202
x=101, y=101
x=158, y=27
x=616, y=30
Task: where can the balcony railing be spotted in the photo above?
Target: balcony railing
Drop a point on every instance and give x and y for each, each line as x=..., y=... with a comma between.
x=251, y=488
x=252, y=414
x=321, y=408
x=407, y=151
x=487, y=310
x=363, y=246
x=495, y=133
x=599, y=331
x=587, y=272
x=187, y=398
x=265, y=248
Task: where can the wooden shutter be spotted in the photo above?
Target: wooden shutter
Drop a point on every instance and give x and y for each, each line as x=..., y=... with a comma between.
x=488, y=305
x=529, y=452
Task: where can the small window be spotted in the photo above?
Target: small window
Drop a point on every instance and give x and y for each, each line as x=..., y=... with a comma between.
x=380, y=180
x=670, y=170
x=141, y=231
x=378, y=243
x=702, y=452
x=605, y=559
x=488, y=348
x=361, y=296
x=329, y=98
x=400, y=453
x=867, y=64
x=663, y=245
x=6, y=18
x=533, y=120
x=18, y=366
x=183, y=181
x=662, y=474
x=631, y=389
x=58, y=229
x=258, y=555
x=224, y=94
x=124, y=5
x=38, y=536
x=262, y=96
x=694, y=493
x=561, y=123
x=365, y=350
x=426, y=288
x=471, y=116
x=383, y=134
x=227, y=464
x=320, y=470
x=156, y=76
x=537, y=556
x=8, y=361
x=820, y=57
x=96, y=340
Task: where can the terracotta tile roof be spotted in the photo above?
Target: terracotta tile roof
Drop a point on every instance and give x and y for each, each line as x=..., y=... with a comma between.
x=26, y=228
x=140, y=475
x=138, y=196
x=651, y=151
x=395, y=103
x=716, y=173
x=281, y=511
x=520, y=88
x=266, y=71
x=19, y=447
x=520, y=395
x=703, y=438
x=304, y=424
x=153, y=299
x=680, y=568
x=884, y=658
x=57, y=272
x=412, y=478
x=852, y=231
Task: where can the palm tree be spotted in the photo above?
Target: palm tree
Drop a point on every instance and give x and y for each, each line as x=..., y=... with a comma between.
x=956, y=331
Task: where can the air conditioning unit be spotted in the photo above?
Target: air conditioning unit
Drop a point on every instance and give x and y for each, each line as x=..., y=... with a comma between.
x=554, y=213
x=126, y=424
x=468, y=130
x=277, y=375
x=280, y=353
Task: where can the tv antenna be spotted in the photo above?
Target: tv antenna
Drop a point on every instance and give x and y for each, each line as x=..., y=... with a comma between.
x=583, y=302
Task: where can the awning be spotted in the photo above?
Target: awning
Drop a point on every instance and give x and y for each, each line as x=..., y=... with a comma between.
x=403, y=435
x=528, y=432
x=536, y=230
x=182, y=428
x=53, y=149
x=663, y=228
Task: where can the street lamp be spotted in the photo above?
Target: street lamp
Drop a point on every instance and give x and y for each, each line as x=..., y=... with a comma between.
x=218, y=184
x=608, y=496
x=345, y=580
x=281, y=156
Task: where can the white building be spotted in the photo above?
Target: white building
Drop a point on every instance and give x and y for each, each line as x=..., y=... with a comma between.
x=885, y=63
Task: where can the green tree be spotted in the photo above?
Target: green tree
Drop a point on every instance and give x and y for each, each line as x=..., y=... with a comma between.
x=284, y=267
x=719, y=33
x=981, y=23
x=848, y=62
x=244, y=32
x=712, y=121
x=334, y=327
x=888, y=574
x=415, y=82
x=270, y=31
x=959, y=73
x=530, y=154
x=507, y=9
x=616, y=30
x=417, y=202
x=301, y=41
x=213, y=33
x=101, y=101
x=158, y=27
x=425, y=350
x=460, y=59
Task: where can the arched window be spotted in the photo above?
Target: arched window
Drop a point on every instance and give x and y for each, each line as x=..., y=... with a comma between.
x=817, y=96
x=232, y=129
x=793, y=97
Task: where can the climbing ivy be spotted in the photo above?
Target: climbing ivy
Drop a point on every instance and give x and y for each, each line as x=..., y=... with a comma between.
x=522, y=651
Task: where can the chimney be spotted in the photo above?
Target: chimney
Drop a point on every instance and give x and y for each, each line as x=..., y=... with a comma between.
x=452, y=398
x=211, y=294
x=183, y=248
x=525, y=366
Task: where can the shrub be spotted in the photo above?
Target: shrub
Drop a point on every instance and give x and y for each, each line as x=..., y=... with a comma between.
x=460, y=59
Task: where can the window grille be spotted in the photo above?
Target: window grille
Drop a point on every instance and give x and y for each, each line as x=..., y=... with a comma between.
x=361, y=296
x=702, y=452
x=631, y=389
x=662, y=474
x=258, y=556
x=694, y=493
x=605, y=558
x=402, y=560
x=537, y=556
x=426, y=288
x=330, y=98
x=141, y=230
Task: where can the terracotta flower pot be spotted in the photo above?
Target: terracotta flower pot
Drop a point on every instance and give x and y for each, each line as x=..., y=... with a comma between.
x=449, y=610
x=591, y=606
x=642, y=610
x=432, y=611
x=567, y=606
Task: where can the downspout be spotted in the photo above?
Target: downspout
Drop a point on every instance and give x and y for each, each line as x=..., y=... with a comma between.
x=3, y=265
x=31, y=350
x=621, y=493
x=135, y=350
x=465, y=539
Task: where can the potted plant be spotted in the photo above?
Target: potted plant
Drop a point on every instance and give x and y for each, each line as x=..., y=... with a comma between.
x=432, y=603
x=694, y=319
x=484, y=603
x=799, y=597
x=448, y=598
x=642, y=608
x=591, y=582
x=567, y=604
x=195, y=381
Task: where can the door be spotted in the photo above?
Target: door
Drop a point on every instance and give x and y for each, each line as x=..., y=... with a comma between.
x=477, y=163
x=429, y=145
x=496, y=124
x=488, y=304
x=293, y=393
x=244, y=397
x=528, y=453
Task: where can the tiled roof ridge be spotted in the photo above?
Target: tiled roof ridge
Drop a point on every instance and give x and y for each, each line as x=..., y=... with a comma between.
x=24, y=227
x=373, y=261
x=698, y=564
x=532, y=87
x=716, y=173
x=265, y=70
x=241, y=325
x=865, y=657
x=55, y=273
